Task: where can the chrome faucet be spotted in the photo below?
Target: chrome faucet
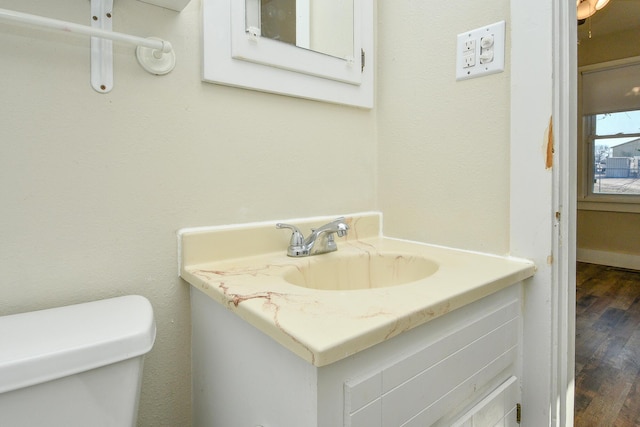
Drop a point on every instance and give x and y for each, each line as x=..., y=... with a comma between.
x=320, y=241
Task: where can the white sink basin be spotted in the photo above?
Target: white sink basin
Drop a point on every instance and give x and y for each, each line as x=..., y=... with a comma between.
x=346, y=272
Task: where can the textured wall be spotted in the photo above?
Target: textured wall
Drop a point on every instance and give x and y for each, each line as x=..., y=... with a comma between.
x=93, y=187
x=438, y=138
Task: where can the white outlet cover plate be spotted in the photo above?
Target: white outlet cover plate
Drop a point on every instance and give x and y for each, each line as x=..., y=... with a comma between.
x=496, y=30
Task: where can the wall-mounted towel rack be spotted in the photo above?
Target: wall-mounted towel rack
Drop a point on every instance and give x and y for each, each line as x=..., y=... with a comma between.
x=154, y=55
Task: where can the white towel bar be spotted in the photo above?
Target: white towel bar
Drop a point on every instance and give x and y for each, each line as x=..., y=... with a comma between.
x=154, y=55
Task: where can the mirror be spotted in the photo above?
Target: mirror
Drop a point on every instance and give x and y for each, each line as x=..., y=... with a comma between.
x=236, y=53
x=323, y=26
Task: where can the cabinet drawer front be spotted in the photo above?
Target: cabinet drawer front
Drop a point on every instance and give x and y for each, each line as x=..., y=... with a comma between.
x=497, y=409
x=421, y=388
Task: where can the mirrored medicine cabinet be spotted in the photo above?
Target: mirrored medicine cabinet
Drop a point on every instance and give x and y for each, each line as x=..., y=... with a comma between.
x=324, y=26
x=315, y=49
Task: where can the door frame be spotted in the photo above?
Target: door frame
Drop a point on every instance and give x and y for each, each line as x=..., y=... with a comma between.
x=565, y=70
x=543, y=200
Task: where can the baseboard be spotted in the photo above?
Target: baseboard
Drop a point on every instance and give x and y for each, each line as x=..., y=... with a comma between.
x=613, y=259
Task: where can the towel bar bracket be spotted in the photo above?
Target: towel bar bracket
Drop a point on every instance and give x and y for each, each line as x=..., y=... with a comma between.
x=101, y=48
x=155, y=55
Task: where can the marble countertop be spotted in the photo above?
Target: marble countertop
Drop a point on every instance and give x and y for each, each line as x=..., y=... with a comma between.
x=324, y=326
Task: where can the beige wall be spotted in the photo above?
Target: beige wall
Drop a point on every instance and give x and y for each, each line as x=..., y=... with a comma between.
x=603, y=48
x=93, y=187
x=438, y=138
x=607, y=230
x=601, y=231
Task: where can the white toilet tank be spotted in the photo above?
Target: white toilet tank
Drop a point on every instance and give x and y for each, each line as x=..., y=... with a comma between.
x=75, y=366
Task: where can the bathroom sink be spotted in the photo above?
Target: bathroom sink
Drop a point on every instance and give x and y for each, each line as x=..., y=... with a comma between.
x=360, y=271
x=326, y=307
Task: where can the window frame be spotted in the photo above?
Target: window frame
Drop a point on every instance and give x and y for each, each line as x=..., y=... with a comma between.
x=587, y=199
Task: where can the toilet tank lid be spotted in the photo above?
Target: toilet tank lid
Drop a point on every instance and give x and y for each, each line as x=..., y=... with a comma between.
x=48, y=344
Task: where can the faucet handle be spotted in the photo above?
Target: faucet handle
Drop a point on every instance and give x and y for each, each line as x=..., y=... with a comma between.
x=297, y=238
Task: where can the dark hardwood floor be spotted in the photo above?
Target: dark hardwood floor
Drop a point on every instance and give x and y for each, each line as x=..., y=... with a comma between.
x=607, y=347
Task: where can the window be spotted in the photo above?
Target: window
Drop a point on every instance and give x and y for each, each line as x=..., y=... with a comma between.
x=614, y=143
x=610, y=132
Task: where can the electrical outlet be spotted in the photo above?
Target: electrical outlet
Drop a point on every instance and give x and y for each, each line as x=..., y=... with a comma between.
x=486, y=42
x=469, y=60
x=469, y=46
x=486, y=56
x=469, y=53
x=486, y=49
x=481, y=51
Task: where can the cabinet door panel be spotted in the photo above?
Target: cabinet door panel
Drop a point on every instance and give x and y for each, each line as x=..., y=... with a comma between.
x=420, y=389
x=498, y=408
x=369, y=416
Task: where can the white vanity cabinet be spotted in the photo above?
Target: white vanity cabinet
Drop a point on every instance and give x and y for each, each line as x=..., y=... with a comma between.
x=461, y=369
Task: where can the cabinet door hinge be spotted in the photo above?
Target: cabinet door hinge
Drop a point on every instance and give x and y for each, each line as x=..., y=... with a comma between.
x=518, y=413
x=362, y=60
